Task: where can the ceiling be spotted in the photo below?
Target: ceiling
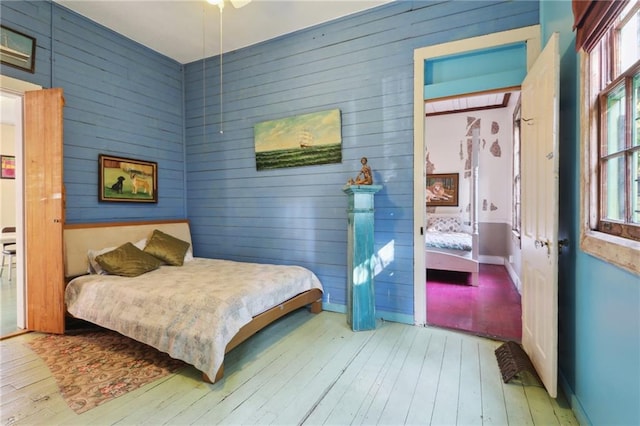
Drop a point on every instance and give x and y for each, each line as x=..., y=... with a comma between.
x=195, y=30
x=471, y=103
x=188, y=30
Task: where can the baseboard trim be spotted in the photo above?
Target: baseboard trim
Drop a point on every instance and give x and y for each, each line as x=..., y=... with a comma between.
x=513, y=275
x=491, y=260
x=573, y=401
x=382, y=315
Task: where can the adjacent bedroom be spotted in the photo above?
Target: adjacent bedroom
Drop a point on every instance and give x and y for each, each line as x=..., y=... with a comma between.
x=472, y=242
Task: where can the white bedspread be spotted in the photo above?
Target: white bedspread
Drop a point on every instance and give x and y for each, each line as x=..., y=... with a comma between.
x=190, y=312
x=448, y=240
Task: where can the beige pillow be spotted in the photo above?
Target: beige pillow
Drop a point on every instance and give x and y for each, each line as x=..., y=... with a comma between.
x=167, y=248
x=127, y=261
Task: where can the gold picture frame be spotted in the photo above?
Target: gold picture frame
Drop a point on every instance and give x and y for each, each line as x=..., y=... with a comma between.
x=442, y=189
x=127, y=180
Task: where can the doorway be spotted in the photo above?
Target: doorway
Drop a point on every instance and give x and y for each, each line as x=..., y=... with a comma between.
x=528, y=35
x=490, y=307
x=13, y=319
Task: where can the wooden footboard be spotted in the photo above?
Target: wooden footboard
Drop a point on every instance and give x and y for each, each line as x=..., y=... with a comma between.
x=312, y=297
x=451, y=262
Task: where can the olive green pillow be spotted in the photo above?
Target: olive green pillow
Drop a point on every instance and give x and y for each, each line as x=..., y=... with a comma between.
x=167, y=248
x=127, y=261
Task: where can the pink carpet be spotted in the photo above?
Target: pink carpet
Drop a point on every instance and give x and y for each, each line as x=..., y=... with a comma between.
x=491, y=309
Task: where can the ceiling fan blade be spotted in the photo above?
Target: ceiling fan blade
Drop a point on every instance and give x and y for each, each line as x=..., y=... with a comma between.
x=239, y=3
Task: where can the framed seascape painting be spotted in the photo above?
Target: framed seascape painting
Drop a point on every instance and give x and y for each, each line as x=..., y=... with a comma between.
x=127, y=180
x=442, y=189
x=300, y=140
x=17, y=50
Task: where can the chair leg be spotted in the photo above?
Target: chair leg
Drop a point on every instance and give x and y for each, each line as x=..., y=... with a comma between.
x=9, y=264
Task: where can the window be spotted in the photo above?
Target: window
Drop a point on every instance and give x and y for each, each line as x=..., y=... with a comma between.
x=618, y=119
x=516, y=225
x=610, y=71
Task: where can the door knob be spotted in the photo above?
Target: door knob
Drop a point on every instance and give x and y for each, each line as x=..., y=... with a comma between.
x=542, y=243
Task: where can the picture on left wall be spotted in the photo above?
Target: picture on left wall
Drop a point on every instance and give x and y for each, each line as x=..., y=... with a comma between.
x=8, y=170
x=17, y=49
x=127, y=180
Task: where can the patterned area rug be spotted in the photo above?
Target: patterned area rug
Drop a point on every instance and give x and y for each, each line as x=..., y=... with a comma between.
x=96, y=367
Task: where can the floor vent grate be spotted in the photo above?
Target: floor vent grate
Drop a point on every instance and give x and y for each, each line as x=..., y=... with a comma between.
x=513, y=361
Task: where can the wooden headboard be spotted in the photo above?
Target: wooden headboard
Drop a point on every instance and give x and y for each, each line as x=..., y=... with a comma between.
x=82, y=237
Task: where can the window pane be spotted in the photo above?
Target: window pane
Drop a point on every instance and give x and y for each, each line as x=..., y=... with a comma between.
x=635, y=187
x=615, y=120
x=614, y=192
x=635, y=138
x=630, y=42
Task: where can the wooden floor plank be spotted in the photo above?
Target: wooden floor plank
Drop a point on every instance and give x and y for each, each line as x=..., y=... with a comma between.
x=493, y=400
x=322, y=372
x=263, y=399
x=424, y=398
x=446, y=404
x=392, y=385
x=305, y=369
x=336, y=397
x=400, y=398
x=470, y=387
x=239, y=383
x=346, y=397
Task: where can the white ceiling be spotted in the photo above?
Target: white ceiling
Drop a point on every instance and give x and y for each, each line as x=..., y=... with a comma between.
x=188, y=30
x=471, y=103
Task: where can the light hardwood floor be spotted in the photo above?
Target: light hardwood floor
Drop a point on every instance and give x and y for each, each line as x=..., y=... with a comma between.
x=8, y=303
x=306, y=369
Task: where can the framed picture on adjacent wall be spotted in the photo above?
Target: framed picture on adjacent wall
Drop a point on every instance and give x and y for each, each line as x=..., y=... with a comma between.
x=127, y=180
x=442, y=189
x=17, y=49
x=8, y=164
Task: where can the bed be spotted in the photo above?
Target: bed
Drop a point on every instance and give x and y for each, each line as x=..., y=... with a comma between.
x=194, y=309
x=451, y=245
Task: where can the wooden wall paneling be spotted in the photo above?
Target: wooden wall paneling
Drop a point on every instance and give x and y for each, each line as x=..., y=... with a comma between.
x=361, y=64
x=122, y=99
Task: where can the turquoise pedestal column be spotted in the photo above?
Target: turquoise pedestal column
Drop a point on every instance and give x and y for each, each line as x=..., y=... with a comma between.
x=361, y=303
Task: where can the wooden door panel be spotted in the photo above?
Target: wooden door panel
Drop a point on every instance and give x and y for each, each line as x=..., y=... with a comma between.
x=44, y=210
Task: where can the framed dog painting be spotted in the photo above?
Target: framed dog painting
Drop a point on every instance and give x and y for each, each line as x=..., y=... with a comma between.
x=127, y=180
x=442, y=189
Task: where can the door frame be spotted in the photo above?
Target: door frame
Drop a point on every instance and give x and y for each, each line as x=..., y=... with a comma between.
x=532, y=36
x=18, y=88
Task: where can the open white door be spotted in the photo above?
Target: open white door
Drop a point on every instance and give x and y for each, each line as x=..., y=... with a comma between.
x=540, y=92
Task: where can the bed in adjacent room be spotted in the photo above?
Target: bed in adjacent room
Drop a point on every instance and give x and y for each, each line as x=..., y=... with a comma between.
x=451, y=241
x=451, y=245
x=141, y=280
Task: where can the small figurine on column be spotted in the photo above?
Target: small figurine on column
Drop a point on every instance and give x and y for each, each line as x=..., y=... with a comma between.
x=365, y=177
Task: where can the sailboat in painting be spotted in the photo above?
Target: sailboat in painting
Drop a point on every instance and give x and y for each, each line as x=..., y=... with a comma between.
x=305, y=138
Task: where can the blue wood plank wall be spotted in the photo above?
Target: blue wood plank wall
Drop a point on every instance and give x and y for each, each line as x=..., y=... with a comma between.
x=121, y=99
x=361, y=64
